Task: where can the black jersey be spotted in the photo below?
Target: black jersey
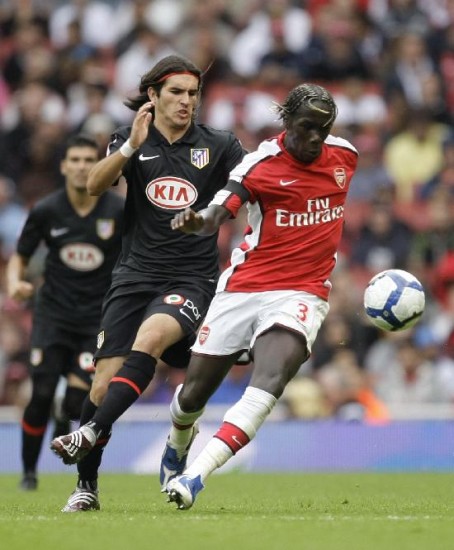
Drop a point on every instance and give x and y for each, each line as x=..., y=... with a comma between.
x=163, y=179
x=82, y=251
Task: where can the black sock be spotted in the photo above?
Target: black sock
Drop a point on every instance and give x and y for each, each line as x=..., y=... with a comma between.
x=88, y=410
x=33, y=430
x=125, y=388
x=88, y=467
x=31, y=448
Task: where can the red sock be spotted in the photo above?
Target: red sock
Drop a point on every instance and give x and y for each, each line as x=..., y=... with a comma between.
x=232, y=436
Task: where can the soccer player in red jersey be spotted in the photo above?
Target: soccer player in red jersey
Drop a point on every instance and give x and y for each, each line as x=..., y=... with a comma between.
x=273, y=297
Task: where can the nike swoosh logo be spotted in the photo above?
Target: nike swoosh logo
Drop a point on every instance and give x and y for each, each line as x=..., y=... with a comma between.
x=186, y=315
x=284, y=183
x=143, y=157
x=237, y=441
x=58, y=232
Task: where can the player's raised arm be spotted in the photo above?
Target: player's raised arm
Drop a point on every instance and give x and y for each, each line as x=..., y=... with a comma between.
x=107, y=171
x=205, y=222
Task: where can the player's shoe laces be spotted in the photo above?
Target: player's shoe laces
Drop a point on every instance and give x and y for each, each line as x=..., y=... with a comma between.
x=82, y=500
x=75, y=446
x=173, y=465
x=183, y=490
x=29, y=482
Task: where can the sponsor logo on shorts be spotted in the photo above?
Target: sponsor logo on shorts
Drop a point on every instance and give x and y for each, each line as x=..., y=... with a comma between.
x=190, y=310
x=203, y=334
x=36, y=356
x=174, y=299
x=105, y=228
x=86, y=361
x=100, y=340
x=82, y=256
x=171, y=193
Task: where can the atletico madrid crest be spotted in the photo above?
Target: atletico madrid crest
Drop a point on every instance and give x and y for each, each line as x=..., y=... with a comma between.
x=105, y=228
x=200, y=157
x=36, y=356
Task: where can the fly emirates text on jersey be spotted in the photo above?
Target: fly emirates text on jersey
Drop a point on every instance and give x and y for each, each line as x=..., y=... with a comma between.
x=318, y=211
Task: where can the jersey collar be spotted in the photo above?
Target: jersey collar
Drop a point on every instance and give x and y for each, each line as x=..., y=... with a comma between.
x=191, y=136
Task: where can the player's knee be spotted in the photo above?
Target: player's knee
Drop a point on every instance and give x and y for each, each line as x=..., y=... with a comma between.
x=73, y=401
x=192, y=398
x=273, y=383
x=43, y=392
x=155, y=337
x=40, y=404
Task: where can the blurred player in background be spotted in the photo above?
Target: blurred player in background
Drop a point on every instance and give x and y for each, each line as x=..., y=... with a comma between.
x=164, y=280
x=83, y=237
x=273, y=297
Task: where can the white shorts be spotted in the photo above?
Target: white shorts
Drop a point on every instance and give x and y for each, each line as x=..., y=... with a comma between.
x=235, y=319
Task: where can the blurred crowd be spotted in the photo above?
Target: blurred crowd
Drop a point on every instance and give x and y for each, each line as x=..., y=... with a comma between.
x=67, y=66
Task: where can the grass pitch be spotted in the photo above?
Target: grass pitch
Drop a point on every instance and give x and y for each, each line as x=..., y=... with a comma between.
x=238, y=512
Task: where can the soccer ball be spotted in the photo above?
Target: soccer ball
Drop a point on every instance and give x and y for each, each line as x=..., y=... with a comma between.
x=394, y=300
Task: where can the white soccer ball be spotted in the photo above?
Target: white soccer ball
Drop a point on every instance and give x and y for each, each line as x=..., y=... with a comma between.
x=394, y=300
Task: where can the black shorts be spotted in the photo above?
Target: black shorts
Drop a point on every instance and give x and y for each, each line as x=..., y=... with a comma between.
x=59, y=352
x=124, y=310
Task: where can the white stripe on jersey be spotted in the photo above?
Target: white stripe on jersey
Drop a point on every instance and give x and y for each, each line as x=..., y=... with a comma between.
x=340, y=142
x=109, y=145
x=220, y=197
x=238, y=255
x=268, y=148
x=271, y=148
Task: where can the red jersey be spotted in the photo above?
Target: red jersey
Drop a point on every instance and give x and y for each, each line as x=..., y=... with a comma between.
x=295, y=217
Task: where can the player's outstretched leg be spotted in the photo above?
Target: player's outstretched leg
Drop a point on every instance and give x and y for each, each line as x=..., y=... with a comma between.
x=239, y=427
x=173, y=462
x=71, y=448
x=182, y=434
x=183, y=490
x=83, y=499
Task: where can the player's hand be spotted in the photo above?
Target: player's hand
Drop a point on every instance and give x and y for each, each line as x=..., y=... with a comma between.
x=141, y=124
x=187, y=221
x=21, y=291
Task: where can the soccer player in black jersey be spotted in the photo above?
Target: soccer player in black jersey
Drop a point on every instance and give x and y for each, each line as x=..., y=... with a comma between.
x=164, y=280
x=83, y=238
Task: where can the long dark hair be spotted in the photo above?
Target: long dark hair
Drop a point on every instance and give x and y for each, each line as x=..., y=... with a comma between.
x=155, y=78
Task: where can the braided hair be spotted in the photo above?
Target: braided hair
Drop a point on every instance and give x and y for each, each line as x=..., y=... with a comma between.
x=155, y=78
x=307, y=95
